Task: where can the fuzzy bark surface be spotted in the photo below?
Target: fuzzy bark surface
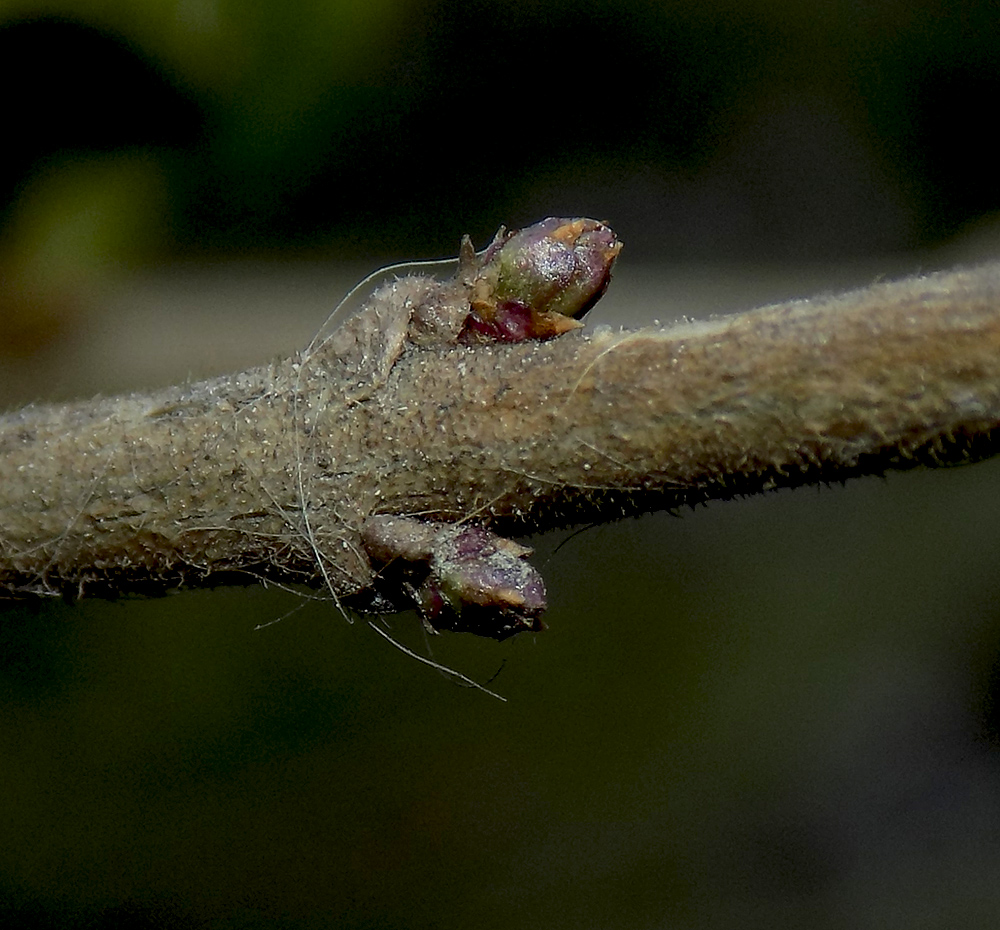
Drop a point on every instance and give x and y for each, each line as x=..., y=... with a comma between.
x=272, y=472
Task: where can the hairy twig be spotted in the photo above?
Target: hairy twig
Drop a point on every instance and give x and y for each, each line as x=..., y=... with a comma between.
x=405, y=434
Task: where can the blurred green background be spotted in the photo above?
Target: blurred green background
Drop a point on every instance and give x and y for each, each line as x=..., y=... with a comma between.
x=776, y=712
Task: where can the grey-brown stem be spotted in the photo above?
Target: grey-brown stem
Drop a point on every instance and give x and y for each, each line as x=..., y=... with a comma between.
x=273, y=472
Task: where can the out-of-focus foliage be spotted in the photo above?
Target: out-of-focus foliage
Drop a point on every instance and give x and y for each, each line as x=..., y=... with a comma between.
x=761, y=129
x=73, y=225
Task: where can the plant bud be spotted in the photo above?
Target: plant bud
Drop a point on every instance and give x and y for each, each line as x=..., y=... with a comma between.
x=535, y=283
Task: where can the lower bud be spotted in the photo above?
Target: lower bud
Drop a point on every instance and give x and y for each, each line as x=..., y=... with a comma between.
x=461, y=578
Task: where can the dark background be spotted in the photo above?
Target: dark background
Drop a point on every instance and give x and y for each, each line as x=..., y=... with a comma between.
x=775, y=712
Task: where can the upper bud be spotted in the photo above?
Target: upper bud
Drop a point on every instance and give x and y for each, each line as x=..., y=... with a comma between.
x=534, y=283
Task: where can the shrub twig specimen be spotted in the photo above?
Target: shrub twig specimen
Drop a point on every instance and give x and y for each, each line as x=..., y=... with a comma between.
x=383, y=462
